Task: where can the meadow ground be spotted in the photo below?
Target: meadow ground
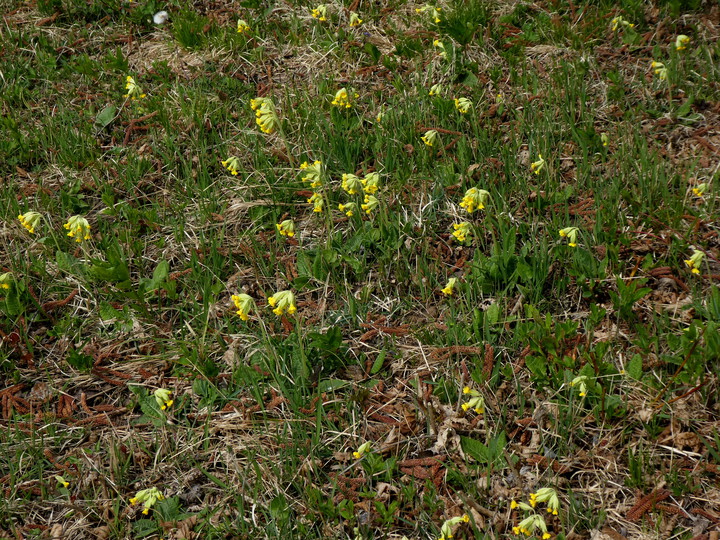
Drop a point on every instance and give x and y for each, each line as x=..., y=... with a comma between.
x=361, y=270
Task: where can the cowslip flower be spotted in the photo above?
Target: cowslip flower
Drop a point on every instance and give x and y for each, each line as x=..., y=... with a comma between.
x=446, y=530
x=283, y=302
x=476, y=402
x=352, y=184
x=474, y=199
x=312, y=173
x=580, y=383
x=436, y=90
x=61, y=481
x=463, y=105
x=258, y=102
x=571, y=234
x=528, y=526
x=370, y=203
x=433, y=11
x=461, y=231
x=695, y=261
x=355, y=19
x=266, y=118
x=320, y=12
x=619, y=22
x=6, y=280
x=244, y=305
x=78, y=228
x=537, y=166
x=133, y=90
x=348, y=208
x=243, y=27
x=286, y=228
x=148, y=497
x=605, y=139
x=232, y=164
x=363, y=449
x=700, y=190
x=523, y=506
x=440, y=47
x=342, y=99
x=659, y=69
x=317, y=201
x=162, y=398
x=380, y=116
x=30, y=220
x=549, y=496
x=681, y=42
x=429, y=137
x=449, y=287
x=371, y=183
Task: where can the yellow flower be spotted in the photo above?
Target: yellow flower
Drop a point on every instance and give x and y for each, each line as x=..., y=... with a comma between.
x=429, y=137
x=605, y=138
x=266, y=117
x=371, y=183
x=244, y=305
x=355, y=19
x=60, y=480
x=681, y=42
x=352, y=184
x=133, y=90
x=571, y=234
x=474, y=199
x=436, y=90
x=286, y=228
x=320, y=12
x=243, y=27
x=370, y=203
x=580, y=382
x=148, y=497
x=463, y=105
x=450, y=286
x=283, y=302
x=440, y=47
x=619, y=22
x=700, y=190
x=342, y=99
x=312, y=173
x=550, y=497
x=476, y=401
x=380, y=116
x=695, y=261
x=162, y=397
x=78, y=228
x=6, y=280
x=317, y=201
x=30, y=220
x=258, y=102
x=348, y=208
x=537, y=166
x=530, y=524
x=446, y=528
x=659, y=69
x=461, y=231
x=362, y=450
x=232, y=164
x=433, y=11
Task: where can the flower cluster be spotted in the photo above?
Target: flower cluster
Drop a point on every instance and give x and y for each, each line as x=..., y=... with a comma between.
x=370, y=203
x=446, y=529
x=243, y=27
x=681, y=42
x=463, y=105
x=355, y=19
x=429, y=137
x=244, y=305
x=571, y=234
x=363, y=449
x=537, y=166
x=320, y=12
x=283, y=302
x=620, y=23
x=148, y=498
x=286, y=228
x=232, y=164
x=133, y=90
x=695, y=261
x=534, y=523
x=659, y=69
x=474, y=199
x=312, y=173
x=476, y=402
x=440, y=46
x=30, y=220
x=449, y=287
x=6, y=280
x=433, y=11
x=461, y=231
x=318, y=202
x=78, y=228
x=162, y=398
x=342, y=99
x=265, y=114
x=580, y=381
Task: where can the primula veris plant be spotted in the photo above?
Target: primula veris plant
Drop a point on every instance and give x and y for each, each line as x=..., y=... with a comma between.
x=258, y=102
x=619, y=23
x=695, y=261
x=571, y=234
x=449, y=288
x=371, y=183
x=681, y=42
x=363, y=449
x=342, y=99
x=446, y=529
x=318, y=202
x=463, y=105
x=605, y=139
x=659, y=69
x=286, y=228
x=370, y=203
x=30, y=221
x=78, y=228
x=232, y=164
x=283, y=302
x=348, y=208
x=548, y=496
x=537, y=166
x=133, y=90
x=440, y=46
x=244, y=304
x=432, y=11
x=461, y=231
x=581, y=383
x=700, y=190
x=61, y=481
x=351, y=184
x=474, y=199
x=243, y=27
x=163, y=398
x=355, y=19
x=476, y=401
x=429, y=137
x=530, y=525
x=436, y=90
x=319, y=12
x=148, y=498
x=312, y=173
x=266, y=117
x=6, y=280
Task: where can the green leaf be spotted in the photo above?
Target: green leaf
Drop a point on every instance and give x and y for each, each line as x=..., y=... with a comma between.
x=81, y=362
x=474, y=448
x=105, y=117
x=378, y=363
x=634, y=368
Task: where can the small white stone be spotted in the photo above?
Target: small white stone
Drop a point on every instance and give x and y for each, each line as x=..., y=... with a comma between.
x=160, y=17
